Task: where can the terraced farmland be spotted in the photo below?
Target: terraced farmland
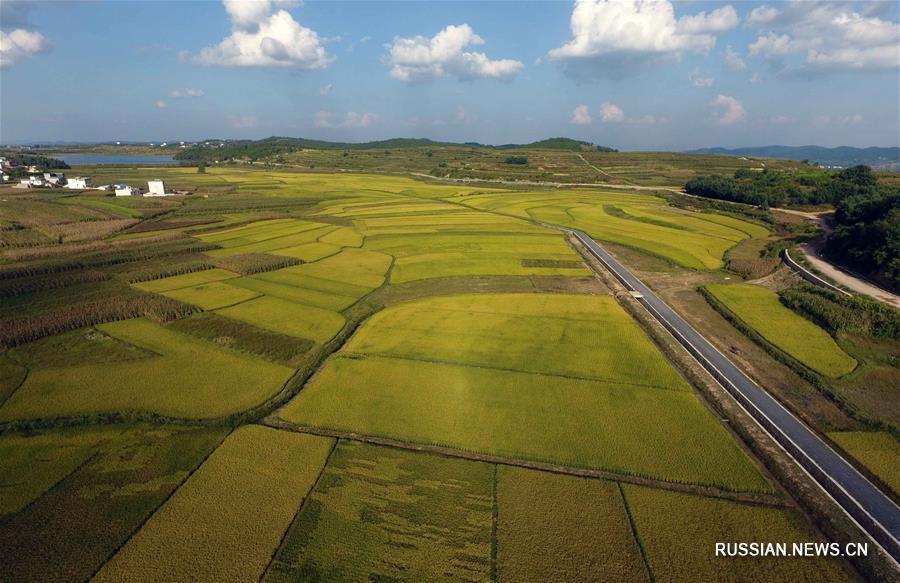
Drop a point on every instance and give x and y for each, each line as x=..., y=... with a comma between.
x=689, y=239
x=374, y=378
x=760, y=309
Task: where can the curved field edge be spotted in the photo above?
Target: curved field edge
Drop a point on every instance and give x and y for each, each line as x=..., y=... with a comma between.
x=790, y=332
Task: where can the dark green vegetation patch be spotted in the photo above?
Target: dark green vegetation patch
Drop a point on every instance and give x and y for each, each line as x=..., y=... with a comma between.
x=71, y=529
x=241, y=336
x=378, y=514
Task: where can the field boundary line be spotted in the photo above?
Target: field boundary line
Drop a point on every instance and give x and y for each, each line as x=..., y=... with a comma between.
x=355, y=356
x=751, y=498
x=495, y=524
x=284, y=535
x=636, y=534
x=162, y=503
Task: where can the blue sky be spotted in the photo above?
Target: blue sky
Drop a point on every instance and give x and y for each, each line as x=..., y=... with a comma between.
x=625, y=73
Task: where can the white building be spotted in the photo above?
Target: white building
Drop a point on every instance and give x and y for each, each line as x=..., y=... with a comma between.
x=55, y=178
x=79, y=182
x=125, y=190
x=157, y=188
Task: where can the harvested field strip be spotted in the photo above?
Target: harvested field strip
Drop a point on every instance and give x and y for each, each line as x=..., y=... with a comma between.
x=260, y=475
x=382, y=514
x=563, y=528
x=760, y=309
x=878, y=451
x=185, y=280
x=288, y=318
x=581, y=336
x=175, y=383
x=679, y=532
x=669, y=435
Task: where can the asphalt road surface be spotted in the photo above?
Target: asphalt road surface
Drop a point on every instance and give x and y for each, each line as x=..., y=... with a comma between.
x=875, y=512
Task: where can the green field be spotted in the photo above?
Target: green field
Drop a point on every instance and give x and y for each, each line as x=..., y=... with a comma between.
x=174, y=381
x=227, y=519
x=383, y=515
x=878, y=451
x=760, y=309
x=470, y=371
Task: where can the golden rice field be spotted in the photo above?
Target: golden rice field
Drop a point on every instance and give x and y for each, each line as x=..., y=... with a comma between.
x=228, y=516
x=645, y=222
x=678, y=532
x=563, y=528
x=470, y=371
x=457, y=320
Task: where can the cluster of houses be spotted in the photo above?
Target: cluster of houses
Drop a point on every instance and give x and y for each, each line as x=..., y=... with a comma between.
x=154, y=188
x=38, y=179
x=59, y=180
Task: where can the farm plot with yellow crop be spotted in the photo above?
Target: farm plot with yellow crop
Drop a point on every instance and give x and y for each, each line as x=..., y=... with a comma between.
x=690, y=239
x=470, y=371
x=174, y=380
x=227, y=519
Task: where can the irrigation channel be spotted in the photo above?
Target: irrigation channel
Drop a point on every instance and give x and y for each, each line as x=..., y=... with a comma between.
x=874, y=512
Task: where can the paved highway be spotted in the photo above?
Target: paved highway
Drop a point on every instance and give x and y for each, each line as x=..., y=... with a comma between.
x=873, y=511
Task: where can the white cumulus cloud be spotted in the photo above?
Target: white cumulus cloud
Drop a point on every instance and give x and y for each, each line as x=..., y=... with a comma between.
x=611, y=36
x=264, y=34
x=160, y=104
x=581, y=115
x=419, y=58
x=21, y=44
x=612, y=113
x=186, y=93
x=728, y=110
x=816, y=36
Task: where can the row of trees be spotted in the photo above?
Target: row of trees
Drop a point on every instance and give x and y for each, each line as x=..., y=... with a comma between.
x=867, y=234
x=772, y=188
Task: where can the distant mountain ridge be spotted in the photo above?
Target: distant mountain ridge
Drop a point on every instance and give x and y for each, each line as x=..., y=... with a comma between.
x=880, y=158
x=281, y=145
